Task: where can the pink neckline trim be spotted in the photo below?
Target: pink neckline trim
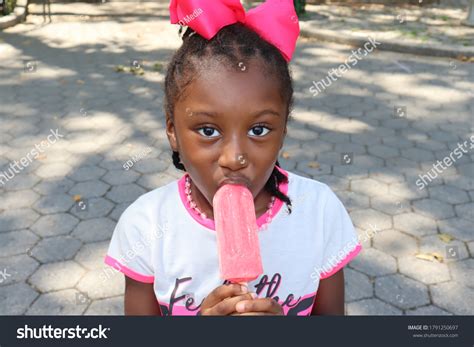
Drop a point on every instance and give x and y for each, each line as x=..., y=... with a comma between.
x=209, y=223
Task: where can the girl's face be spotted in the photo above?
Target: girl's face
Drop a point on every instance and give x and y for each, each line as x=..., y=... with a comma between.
x=229, y=125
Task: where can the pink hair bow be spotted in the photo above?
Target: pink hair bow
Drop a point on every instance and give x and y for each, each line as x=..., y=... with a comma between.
x=275, y=20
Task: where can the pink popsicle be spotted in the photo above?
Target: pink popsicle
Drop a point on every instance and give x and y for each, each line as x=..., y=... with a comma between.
x=237, y=238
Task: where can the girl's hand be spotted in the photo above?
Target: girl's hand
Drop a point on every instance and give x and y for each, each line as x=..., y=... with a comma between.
x=258, y=307
x=222, y=300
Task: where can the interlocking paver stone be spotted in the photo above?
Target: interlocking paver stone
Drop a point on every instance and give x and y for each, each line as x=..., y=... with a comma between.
x=395, y=243
x=96, y=229
x=18, y=268
x=401, y=291
x=59, y=303
x=87, y=173
x=415, y=224
x=462, y=229
x=54, y=203
x=424, y=271
x=56, y=276
x=16, y=298
x=429, y=310
x=89, y=189
x=53, y=170
x=92, y=255
x=57, y=248
x=18, y=199
x=104, y=307
x=369, y=186
x=370, y=217
x=99, y=286
x=371, y=307
x=358, y=285
x=16, y=242
x=120, y=177
x=465, y=211
x=452, y=297
x=453, y=250
x=374, y=263
x=17, y=219
x=54, y=224
x=449, y=194
x=433, y=208
x=463, y=272
x=125, y=193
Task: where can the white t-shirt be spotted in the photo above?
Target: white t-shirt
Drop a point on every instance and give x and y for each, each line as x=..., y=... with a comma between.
x=159, y=239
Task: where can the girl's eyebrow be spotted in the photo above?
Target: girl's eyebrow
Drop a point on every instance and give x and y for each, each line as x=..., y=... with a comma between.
x=255, y=115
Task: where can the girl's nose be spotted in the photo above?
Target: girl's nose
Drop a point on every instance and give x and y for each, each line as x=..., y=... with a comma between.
x=233, y=156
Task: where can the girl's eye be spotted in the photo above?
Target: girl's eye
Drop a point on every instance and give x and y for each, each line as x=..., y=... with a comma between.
x=207, y=131
x=259, y=130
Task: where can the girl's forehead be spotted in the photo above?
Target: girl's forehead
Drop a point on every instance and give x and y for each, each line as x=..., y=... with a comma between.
x=224, y=85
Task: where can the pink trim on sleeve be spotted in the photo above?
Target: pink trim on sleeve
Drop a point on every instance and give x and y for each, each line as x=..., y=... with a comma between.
x=129, y=272
x=342, y=263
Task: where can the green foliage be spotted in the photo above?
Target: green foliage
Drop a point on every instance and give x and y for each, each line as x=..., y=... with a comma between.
x=300, y=7
x=8, y=6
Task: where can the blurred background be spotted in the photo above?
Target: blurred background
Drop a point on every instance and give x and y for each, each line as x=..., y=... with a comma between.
x=92, y=74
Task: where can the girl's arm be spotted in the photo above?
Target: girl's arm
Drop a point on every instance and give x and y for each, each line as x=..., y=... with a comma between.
x=330, y=297
x=140, y=299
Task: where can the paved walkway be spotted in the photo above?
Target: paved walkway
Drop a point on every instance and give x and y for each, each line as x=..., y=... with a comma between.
x=368, y=134
x=433, y=27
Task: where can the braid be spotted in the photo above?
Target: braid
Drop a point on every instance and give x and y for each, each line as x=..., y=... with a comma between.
x=231, y=44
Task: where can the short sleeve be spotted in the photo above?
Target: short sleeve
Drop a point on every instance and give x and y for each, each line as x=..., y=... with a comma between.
x=341, y=243
x=130, y=248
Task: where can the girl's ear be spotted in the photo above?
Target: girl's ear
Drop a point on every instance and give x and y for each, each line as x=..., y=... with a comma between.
x=171, y=133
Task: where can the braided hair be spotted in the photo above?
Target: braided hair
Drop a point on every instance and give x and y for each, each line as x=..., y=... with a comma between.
x=231, y=44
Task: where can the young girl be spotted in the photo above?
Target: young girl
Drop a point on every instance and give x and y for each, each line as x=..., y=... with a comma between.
x=228, y=96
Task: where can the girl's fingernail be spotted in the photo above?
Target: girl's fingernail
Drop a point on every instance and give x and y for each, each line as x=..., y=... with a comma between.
x=254, y=295
x=240, y=307
x=244, y=289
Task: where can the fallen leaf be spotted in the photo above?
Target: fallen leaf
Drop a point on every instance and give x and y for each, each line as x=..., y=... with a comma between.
x=157, y=67
x=445, y=238
x=313, y=164
x=80, y=82
x=430, y=256
x=119, y=68
x=77, y=197
x=285, y=155
x=137, y=71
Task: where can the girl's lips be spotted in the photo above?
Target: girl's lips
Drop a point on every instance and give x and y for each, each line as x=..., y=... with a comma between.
x=235, y=180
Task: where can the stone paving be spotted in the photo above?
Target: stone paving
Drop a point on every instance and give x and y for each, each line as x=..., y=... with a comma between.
x=368, y=135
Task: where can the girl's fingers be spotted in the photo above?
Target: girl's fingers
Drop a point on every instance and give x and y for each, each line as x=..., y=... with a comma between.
x=222, y=292
x=227, y=306
x=267, y=305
